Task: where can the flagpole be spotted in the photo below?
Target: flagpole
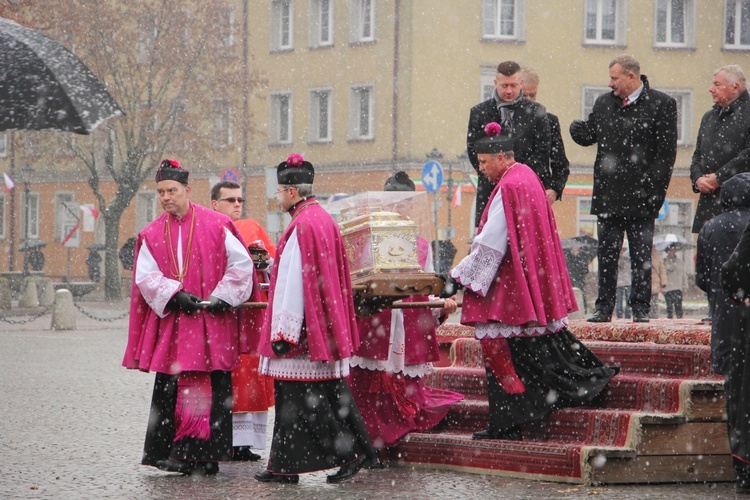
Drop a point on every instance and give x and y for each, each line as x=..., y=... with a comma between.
x=12, y=238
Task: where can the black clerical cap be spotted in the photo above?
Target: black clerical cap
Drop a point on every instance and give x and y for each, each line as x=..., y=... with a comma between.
x=171, y=170
x=295, y=170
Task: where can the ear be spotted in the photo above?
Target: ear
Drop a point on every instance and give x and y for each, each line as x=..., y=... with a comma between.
x=214, y=204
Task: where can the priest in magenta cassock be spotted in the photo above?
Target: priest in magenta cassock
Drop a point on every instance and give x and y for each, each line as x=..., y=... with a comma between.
x=309, y=334
x=398, y=347
x=191, y=269
x=518, y=296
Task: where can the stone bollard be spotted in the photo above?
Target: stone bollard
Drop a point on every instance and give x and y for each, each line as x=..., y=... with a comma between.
x=29, y=296
x=580, y=313
x=63, y=312
x=5, y=294
x=46, y=292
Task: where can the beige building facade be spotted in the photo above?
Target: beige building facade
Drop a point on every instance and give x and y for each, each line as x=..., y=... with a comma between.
x=365, y=87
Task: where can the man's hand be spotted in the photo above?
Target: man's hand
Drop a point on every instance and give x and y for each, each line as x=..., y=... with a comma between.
x=184, y=301
x=280, y=347
x=216, y=305
x=551, y=195
x=449, y=306
x=707, y=184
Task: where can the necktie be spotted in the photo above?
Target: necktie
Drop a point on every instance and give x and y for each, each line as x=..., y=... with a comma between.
x=625, y=102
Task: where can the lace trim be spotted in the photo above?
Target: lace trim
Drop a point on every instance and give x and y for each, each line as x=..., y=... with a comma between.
x=157, y=290
x=499, y=329
x=478, y=269
x=302, y=369
x=413, y=371
x=235, y=287
x=287, y=326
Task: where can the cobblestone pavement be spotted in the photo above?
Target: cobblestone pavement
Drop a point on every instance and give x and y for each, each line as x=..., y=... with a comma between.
x=73, y=420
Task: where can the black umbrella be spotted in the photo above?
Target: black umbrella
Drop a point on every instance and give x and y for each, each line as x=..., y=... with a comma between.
x=586, y=244
x=95, y=247
x=44, y=86
x=31, y=244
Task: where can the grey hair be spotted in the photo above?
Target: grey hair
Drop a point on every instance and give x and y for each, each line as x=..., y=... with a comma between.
x=530, y=77
x=303, y=189
x=629, y=64
x=734, y=74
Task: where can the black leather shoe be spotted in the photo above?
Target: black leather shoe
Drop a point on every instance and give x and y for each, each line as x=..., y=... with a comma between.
x=243, y=454
x=206, y=468
x=640, y=317
x=375, y=463
x=600, y=317
x=181, y=466
x=511, y=434
x=347, y=471
x=266, y=476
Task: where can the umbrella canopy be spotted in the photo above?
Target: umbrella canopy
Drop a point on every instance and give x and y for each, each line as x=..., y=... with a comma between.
x=44, y=86
x=585, y=244
x=95, y=247
x=663, y=241
x=31, y=244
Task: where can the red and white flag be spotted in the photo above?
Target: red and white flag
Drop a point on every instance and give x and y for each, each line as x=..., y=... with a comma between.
x=457, y=197
x=8, y=182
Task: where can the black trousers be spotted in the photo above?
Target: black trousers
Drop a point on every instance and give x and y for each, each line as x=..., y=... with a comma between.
x=674, y=303
x=640, y=233
x=160, y=444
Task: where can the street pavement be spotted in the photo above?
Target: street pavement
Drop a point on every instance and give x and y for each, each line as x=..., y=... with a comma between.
x=72, y=424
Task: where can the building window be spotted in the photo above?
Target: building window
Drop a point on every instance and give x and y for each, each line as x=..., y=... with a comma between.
x=684, y=100
x=361, y=112
x=321, y=15
x=604, y=22
x=590, y=94
x=737, y=24
x=224, y=31
x=3, y=144
x=487, y=82
x=30, y=209
x=281, y=118
x=282, y=25
x=145, y=210
x=2, y=215
x=66, y=209
x=503, y=19
x=675, y=23
x=321, y=111
x=181, y=132
x=221, y=113
x=363, y=21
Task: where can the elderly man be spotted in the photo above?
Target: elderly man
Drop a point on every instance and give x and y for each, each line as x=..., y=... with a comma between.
x=635, y=128
x=559, y=166
x=252, y=393
x=722, y=148
x=191, y=269
x=310, y=332
x=518, y=296
x=522, y=119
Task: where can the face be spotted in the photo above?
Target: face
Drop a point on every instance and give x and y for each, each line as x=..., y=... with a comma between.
x=530, y=92
x=174, y=197
x=231, y=208
x=508, y=87
x=492, y=165
x=622, y=83
x=286, y=196
x=722, y=91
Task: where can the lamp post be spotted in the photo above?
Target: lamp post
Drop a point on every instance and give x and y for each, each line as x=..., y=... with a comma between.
x=435, y=155
x=26, y=174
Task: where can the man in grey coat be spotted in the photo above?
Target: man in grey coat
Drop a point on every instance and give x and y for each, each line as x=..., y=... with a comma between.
x=722, y=148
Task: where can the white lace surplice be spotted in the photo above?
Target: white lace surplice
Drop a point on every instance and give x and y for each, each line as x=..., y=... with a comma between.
x=477, y=271
x=287, y=320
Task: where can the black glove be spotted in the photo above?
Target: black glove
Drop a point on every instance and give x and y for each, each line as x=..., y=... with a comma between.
x=280, y=347
x=450, y=286
x=217, y=305
x=184, y=301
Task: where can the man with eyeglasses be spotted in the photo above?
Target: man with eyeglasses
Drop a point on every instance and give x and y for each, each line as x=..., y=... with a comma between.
x=308, y=336
x=252, y=393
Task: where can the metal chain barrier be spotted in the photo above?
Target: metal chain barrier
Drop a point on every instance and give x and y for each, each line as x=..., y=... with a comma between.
x=27, y=319
x=99, y=318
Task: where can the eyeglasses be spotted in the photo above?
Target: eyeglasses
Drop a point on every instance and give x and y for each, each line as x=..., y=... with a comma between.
x=279, y=191
x=233, y=200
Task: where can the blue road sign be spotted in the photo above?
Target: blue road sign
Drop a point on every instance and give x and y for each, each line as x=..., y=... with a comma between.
x=432, y=176
x=230, y=174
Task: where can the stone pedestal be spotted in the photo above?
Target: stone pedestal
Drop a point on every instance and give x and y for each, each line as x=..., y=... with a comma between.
x=5, y=294
x=63, y=312
x=580, y=313
x=29, y=295
x=46, y=292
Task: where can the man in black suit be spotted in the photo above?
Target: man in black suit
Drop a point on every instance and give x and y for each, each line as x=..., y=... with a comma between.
x=520, y=118
x=559, y=166
x=635, y=128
